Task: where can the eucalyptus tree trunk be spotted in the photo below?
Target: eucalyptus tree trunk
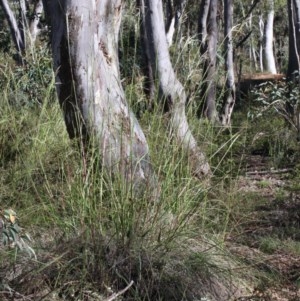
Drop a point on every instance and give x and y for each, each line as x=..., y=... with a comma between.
x=261, y=42
x=23, y=25
x=170, y=21
x=229, y=95
x=252, y=50
x=294, y=39
x=16, y=33
x=149, y=84
x=293, y=72
x=33, y=27
x=208, y=49
x=202, y=24
x=22, y=29
x=174, y=10
x=171, y=89
x=269, y=59
x=85, y=53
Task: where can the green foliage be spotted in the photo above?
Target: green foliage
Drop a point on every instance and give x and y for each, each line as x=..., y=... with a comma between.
x=93, y=225
x=270, y=245
x=25, y=83
x=280, y=98
x=279, y=104
x=12, y=235
x=94, y=235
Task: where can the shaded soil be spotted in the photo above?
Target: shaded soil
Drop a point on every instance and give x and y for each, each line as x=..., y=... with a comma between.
x=268, y=238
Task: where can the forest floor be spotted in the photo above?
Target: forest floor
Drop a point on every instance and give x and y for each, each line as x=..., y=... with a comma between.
x=267, y=236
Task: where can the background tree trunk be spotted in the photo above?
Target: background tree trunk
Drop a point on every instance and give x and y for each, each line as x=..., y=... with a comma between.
x=202, y=24
x=33, y=27
x=171, y=89
x=269, y=59
x=293, y=72
x=85, y=51
x=173, y=12
x=229, y=96
x=261, y=43
x=170, y=21
x=149, y=85
x=209, y=50
x=23, y=24
x=13, y=25
x=252, y=48
x=294, y=39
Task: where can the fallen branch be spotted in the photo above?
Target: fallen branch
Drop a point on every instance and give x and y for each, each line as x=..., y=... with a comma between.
x=265, y=172
x=116, y=295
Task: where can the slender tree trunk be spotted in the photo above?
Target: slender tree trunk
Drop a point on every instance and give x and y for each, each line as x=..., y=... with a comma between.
x=171, y=89
x=173, y=11
x=149, y=85
x=202, y=25
x=170, y=31
x=293, y=72
x=229, y=96
x=269, y=59
x=261, y=42
x=294, y=39
x=23, y=25
x=252, y=50
x=85, y=53
x=208, y=93
x=33, y=27
x=13, y=25
x=170, y=21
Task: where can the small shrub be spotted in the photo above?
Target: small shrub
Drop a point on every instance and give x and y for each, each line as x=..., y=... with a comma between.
x=12, y=235
x=282, y=100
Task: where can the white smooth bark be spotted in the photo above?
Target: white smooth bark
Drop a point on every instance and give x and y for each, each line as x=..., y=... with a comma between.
x=174, y=11
x=229, y=96
x=85, y=50
x=269, y=59
x=202, y=24
x=261, y=41
x=252, y=50
x=170, y=87
x=171, y=31
x=170, y=21
x=33, y=27
x=13, y=25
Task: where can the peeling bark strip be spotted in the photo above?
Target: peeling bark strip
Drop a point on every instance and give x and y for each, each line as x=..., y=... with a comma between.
x=170, y=88
x=84, y=44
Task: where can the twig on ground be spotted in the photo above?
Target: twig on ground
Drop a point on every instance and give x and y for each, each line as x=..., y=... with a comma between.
x=116, y=295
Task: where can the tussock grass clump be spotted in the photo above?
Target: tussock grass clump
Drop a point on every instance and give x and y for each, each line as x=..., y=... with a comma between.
x=92, y=234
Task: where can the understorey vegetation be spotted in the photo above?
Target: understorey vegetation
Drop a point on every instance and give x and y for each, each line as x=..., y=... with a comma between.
x=73, y=229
